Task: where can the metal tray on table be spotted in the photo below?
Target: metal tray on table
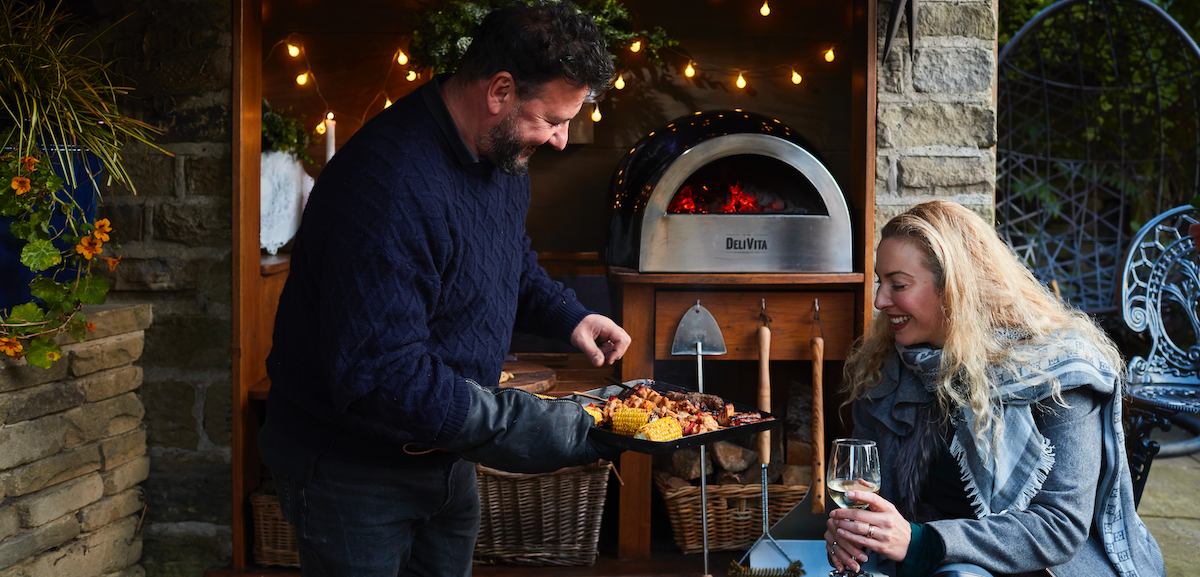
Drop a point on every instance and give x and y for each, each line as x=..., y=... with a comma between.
x=658, y=447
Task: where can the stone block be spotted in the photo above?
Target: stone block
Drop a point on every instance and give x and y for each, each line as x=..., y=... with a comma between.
x=935, y=124
x=96, y=355
x=195, y=223
x=218, y=424
x=190, y=342
x=127, y=218
x=52, y=470
x=10, y=522
x=953, y=70
x=94, y=421
x=891, y=71
x=39, y=508
x=111, y=548
x=203, y=119
x=108, y=384
x=945, y=171
x=20, y=375
x=152, y=173
x=210, y=176
x=25, y=545
x=39, y=401
x=117, y=319
x=110, y=509
x=161, y=273
x=130, y=571
x=126, y=476
x=29, y=441
x=1178, y=538
x=964, y=19
x=169, y=417
x=189, y=486
x=182, y=552
x=123, y=448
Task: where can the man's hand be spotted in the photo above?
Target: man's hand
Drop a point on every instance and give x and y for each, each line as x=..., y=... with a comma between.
x=600, y=339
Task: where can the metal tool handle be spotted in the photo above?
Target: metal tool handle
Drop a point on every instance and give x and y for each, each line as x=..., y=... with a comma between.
x=703, y=465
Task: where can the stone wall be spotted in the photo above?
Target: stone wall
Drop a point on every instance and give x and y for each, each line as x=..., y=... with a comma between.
x=74, y=455
x=936, y=123
x=175, y=237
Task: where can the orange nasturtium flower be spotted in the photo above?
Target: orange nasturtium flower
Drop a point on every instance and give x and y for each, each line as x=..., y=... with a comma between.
x=103, y=229
x=11, y=347
x=89, y=247
x=29, y=163
x=112, y=262
x=20, y=184
x=91, y=327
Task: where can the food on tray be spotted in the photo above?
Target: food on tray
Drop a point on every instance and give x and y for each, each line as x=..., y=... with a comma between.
x=505, y=377
x=648, y=414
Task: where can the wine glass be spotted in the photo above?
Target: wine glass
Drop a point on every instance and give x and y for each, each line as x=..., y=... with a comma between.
x=854, y=466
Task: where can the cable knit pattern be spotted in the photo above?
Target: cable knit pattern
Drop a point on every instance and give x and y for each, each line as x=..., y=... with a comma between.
x=410, y=270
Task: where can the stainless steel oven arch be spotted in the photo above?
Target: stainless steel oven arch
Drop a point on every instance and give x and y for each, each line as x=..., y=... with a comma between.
x=746, y=242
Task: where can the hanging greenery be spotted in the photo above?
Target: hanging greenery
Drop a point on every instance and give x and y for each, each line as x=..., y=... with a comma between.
x=444, y=35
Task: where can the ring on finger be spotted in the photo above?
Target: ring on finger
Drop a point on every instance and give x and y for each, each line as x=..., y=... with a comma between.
x=871, y=532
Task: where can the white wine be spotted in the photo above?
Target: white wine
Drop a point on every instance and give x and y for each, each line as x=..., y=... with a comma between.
x=838, y=488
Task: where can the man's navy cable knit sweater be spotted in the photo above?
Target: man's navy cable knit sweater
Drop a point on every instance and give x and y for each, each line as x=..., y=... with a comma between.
x=408, y=275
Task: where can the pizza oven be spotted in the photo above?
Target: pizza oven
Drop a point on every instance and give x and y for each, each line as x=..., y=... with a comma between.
x=727, y=191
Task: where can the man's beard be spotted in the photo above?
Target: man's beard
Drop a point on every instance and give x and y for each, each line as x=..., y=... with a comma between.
x=504, y=146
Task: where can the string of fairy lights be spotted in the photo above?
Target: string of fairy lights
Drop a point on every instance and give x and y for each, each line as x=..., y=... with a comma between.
x=740, y=77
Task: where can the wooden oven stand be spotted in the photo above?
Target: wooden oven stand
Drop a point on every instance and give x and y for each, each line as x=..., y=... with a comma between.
x=651, y=306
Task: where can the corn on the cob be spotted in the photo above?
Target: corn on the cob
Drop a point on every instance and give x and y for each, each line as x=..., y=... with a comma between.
x=626, y=420
x=662, y=429
x=595, y=413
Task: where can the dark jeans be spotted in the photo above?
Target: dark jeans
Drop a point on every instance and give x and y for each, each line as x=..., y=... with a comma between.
x=354, y=520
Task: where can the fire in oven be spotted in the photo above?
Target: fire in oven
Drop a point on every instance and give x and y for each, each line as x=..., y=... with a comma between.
x=727, y=191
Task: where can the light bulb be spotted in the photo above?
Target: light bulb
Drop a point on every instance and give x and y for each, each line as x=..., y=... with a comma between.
x=741, y=81
x=320, y=127
x=636, y=46
x=329, y=116
x=401, y=57
x=387, y=102
x=302, y=78
x=829, y=55
x=596, y=114
x=765, y=10
x=620, y=83
x=293, y=50
x=796, y=78
x=412, y=75
x=690, y=71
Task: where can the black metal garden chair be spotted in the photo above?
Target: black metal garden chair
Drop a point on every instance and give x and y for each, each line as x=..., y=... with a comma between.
x=1160, y=298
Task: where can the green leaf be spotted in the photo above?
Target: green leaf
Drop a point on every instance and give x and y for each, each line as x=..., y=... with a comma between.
x=42, y=352
x=48, y=291
x=92, y=290
x=77, y=328
x=26, y=313
x=40, y=255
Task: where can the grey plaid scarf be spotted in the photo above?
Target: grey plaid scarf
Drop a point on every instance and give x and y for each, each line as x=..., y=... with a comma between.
x=1009, y=477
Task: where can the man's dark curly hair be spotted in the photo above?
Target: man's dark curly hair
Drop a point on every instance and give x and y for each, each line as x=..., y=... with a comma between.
x=538, y=44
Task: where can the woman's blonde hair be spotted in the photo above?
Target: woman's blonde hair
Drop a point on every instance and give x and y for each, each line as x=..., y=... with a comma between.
x=985, y=290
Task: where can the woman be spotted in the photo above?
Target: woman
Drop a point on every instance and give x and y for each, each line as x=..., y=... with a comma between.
x=996, y=411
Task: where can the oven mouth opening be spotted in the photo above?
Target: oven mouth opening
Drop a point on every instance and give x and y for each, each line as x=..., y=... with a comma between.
x=747, y=184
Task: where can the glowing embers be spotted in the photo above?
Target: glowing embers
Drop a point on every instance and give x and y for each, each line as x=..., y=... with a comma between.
x=731, y=199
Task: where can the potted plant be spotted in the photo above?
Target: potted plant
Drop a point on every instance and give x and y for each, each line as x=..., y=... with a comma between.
x=60, y=131
x=283, y=183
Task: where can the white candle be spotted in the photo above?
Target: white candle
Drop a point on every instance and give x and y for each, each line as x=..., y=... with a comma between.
x=330, y=138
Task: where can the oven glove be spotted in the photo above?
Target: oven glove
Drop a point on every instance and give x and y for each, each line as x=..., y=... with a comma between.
x=515, y=431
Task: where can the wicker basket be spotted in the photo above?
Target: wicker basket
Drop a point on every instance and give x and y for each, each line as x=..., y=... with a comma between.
x=734, y=514
x=274, y=538
x=547, y=519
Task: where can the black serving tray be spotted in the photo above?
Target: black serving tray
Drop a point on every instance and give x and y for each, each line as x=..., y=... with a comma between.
x=659, y=447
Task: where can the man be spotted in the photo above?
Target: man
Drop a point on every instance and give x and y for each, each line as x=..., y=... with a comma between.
x=409, y=273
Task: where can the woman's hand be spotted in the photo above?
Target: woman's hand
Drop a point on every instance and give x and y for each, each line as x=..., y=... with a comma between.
x=851, y=532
